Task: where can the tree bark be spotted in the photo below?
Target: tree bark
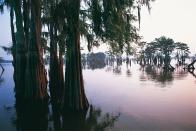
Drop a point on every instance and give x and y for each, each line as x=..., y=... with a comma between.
x=26, y=20
x=54, y=67
x=13, y=41
x=61, y=72
x=75, y=98
x=36, y=80
x=20, y=56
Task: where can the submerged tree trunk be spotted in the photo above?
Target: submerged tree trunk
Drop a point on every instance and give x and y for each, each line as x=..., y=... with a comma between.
x=75, y=98
x=31, y=116
x=36, y=80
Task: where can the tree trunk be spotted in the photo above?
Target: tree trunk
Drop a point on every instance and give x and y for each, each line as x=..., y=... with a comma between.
x=54, y=67
x=191, y=65
x=13, y=41
x=61, y=72
x=75, y=98
x=36, y=81
x=56, y=114
x=26, y=20
x=20, y=56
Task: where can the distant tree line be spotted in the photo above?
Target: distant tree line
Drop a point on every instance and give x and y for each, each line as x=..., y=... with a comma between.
x=160, y=51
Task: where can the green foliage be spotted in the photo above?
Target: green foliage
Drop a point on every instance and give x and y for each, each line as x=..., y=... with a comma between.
x=165, y=47
x=100, y=20
x=182, y=50
x=112, y=22
x=182, y=47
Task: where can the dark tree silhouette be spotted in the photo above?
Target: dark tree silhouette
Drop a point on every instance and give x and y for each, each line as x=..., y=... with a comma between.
x=67, y=20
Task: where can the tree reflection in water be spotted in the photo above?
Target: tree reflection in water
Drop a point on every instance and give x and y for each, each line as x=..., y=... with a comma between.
x=159, y=74
x=128, y=65
x=94, y=120
x=162, y=75
x=94, y=61
x=31, y=116
x=99, y=61
x=1, y=80
x=2, y=70
x=148, y=72
x=1, y=76
x=36, y=116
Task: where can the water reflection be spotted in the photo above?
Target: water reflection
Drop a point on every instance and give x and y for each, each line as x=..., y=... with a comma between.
x=1, y=74
x=100, y=60
x=93, y=61
x=128, y=72
x=36, y=116
x=94, y=120
x=31, y=116
x=141, y=108
x=162, y=75
x=148, y=72
x=159, y=74
x=2, y=70
x=1, y=80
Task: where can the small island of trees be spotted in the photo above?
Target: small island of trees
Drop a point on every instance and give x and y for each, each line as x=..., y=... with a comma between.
x=162, y=50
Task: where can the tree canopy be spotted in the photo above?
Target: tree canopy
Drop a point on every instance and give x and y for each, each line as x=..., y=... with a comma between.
x=57, y=26
x=164, y=47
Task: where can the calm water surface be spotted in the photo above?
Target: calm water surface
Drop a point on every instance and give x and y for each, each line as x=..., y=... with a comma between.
x=141, y=98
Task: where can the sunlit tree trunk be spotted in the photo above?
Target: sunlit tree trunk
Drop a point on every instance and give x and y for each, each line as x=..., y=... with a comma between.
x=36, y=81
x=75, y=98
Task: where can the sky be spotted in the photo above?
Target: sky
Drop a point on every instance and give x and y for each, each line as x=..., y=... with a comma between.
x=5, y=33
x=172, y=18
